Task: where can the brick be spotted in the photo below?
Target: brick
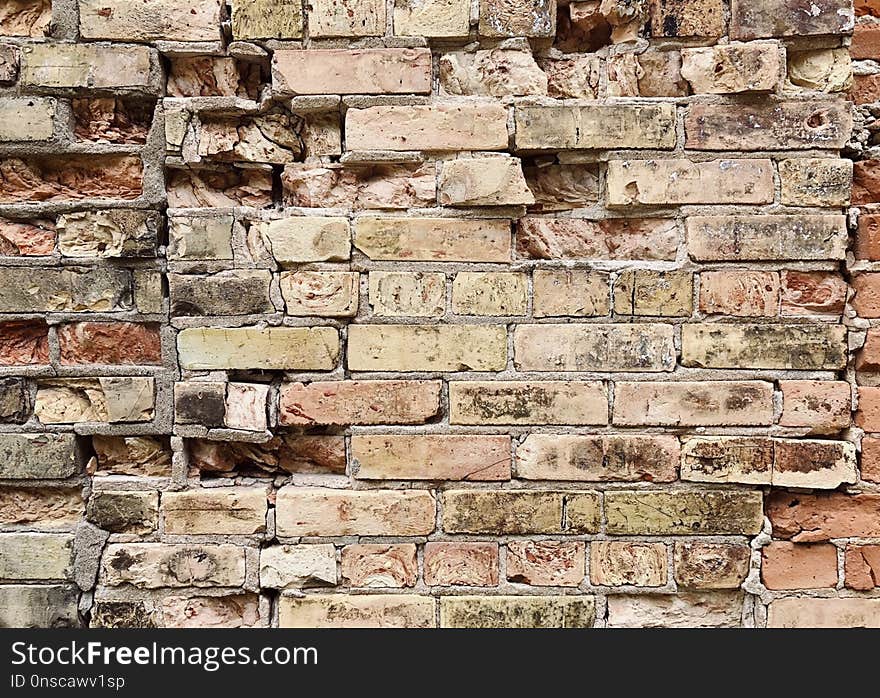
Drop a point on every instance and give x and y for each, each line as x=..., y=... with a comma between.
x=598, y=458
x=36, y=556
x=116, y=399
x=868, y=414
x=126, y=343
x=71, y=177
x=520, y=512
x=656, y=293
x=733, y=68
x=870, y=461
x=27, y=119
x=158, y=565
x=240, y=611
x=688, y=403
x=378, y=565
x=433, y=239
x=862, y=566
x=350, y=611
x=802, y=347
x=809, y=518
x=85, y=65
x=200, y=403
x=594, y=347
x=826, y=70
x=42, y=456
x=136, y=455
x=704, y=18
x=821, y=406
x=221, y=511
x=865, y=42
x=783, y=125
x=347, y=18
x=787, y=565
x=26, y=18
x=489, y=293
x=43, y=508
x=407, y=294
x=809, y=612
x=867, y=243
x=676, y=182
x=571, y=292
x=110, y=233
x=28, y=238
x=15, y=401
x=196, y=238
x=359, y=402
x=51, y=606
x=307, y=239
x=430, y=457
x=788, y=18
x=812, y=293
x=739, y=293
x=487, y=181
x=461, y=564
x=707, y=512
x=436, y=127
x=595, y=127
x=304, y=511
x=522, y=402
x=71, y=289
x=495, y=72
x=868, y=359
x=866, y=298
x=300, y=348
x=295, y=566
x=517, y=611
x=156, y=20
x=427, y=348
x=432, y=18
x=320, y=293
x=816, y=181
x=136, y=513
x=718, y=609
x=266, y=19
x=866, y=182
x=204, y=76
x=340, y=71
x=612, y=239
x=866, y=7
x=534, y=18
x=711, y=565
x=614, y=563
x=546, y=563
x=9, y=60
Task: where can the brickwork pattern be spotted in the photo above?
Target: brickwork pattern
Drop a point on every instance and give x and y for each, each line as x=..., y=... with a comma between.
x=439, y=313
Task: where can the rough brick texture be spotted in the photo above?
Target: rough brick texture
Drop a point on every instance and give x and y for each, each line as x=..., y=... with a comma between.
x=416, y=313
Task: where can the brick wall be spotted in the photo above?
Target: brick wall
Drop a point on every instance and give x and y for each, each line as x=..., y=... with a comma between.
x=439, y=312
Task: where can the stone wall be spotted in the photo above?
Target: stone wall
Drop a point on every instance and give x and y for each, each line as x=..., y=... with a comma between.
x=439, y=312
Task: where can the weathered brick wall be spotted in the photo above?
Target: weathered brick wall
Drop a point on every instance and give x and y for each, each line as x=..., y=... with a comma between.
x=439, y=312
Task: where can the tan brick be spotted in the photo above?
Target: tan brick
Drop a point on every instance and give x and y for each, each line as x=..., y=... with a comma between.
x=658, y=293
x=522, y=402
x=305, y=511
x=517, y=611
x=427, y=348
x=358, y=71
x=711, y=565
x=496, y=72
x=799, y=347
x=613, y=239
x=430, y=457
x=685, y=18
x=436, y=127
x=433, y=239
x=689, y=403
x=602, y=126
x=675, y=182
x=572, y=292
x=862, y=566
x=27, y=119
x=827, y=70
x=302, y=348
x=116, y=399
x=461, y=564
x=350, y=611
x=358, y=402
x=379, y=565
x=822, y=406
x=347, y=18
x=749, y=20
x=158, y=565
x=219, y=511
x=546, y=563
x=614, y=563
x=267, y=19
x=809, y=612
x=816, y=181
x=740, y=293
x=608, y=458
x=41, y=507
x=167, y=20
x=787, y=565
x=295, y=566
x=35, y=556
x=594, y=347
x=708, y=512
x=517, y=512
x=766, y=237
x=45, y=606
x=307, y=239
x=733, y=68
x=407, y=294
x=489, y=293
x=718, y=609
x=432, y=18
x=491, y=181
x=320, y=293
x=85, y=65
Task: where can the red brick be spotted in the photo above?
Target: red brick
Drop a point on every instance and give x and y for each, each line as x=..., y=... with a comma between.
x=739, y=293
x=807, y=518
x=866, y=41
x=870, y=462
x=861, y=567
x=824, y=406
x=812, y=293
x=26, y=238
x=461, y=564
x=127, y=343
x=866, y=300
x=865, y=89
x=799, y=566
x=380, y=565
x=868, y=415
x=868, y=237
x=866, y=182
x=867, y=7
x=868, y=358
x=24, y=343
x=546, y=562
